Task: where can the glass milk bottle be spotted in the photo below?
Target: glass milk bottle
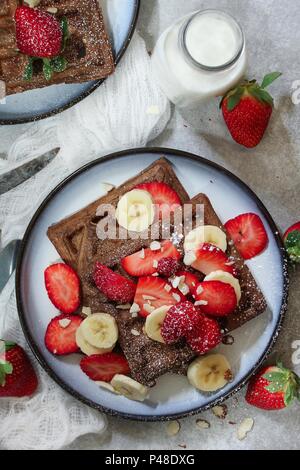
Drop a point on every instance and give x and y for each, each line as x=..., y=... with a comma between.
x=199, y=57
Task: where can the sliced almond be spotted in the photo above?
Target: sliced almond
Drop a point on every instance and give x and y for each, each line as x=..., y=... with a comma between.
x=175, y=281
x=220, y=411
x=148, y=297
x=200, y=302
x=52, y=10
x=135, y=332
x=155, y=264
x=167, y=287
x=245, y=427
x=134, y=308
x=173, y=428
x=176, y=297
x=155, y=246
x=142, y=254
x=86, y=311
x=123, y=307
x=148, y=308
x=199, y=290
x=64, y=322
x=202, y=424
x=134, y=315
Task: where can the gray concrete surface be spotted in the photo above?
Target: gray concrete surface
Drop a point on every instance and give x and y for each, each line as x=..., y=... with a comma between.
x=272, y=171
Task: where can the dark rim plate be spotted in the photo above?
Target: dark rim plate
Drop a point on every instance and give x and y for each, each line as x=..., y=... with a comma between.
x=158, y=152
x=93, y=87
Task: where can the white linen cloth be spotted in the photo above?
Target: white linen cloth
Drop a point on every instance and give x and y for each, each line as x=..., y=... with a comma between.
x=127, y=111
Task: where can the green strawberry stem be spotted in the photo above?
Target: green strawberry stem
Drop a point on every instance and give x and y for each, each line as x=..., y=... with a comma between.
x=5, y=366
x=251, y=88
x=292, y=245
x=284, y=380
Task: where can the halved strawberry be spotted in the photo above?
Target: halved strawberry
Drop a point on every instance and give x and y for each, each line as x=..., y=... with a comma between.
x=114, y=286
x=155, y=292
x=104, y=367
x=63, y=287
x=191, y=280
x=248, y=234
x=60, y=337
x=210, y=258
x=205, y=336
x=163, y=195
x=216, y=298
x=145, y=262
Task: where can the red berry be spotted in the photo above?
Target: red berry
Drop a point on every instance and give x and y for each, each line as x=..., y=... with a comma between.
x=114, y=286
x=205, y=335
x=273, y=388
x=60, y=337
x=63, y=287
x=163, y=196
x=155, y=292
x=210, y=258
x=247, y=110
x=167, y=267
x=178, y=322
x=103, y=367
x=248, y=234
x=38, y=33
x=144, y=263
x=216, y=298
x=17, y=376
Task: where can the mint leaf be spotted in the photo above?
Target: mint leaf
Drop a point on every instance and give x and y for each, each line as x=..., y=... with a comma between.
x=47, y=69
x=292, y=244
x=234, y=99
x=59, y=64
x=28, y=71
x=270, y=78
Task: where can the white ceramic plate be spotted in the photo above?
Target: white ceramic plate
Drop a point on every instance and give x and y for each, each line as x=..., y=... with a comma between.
x=172, y=396
x=120, y=18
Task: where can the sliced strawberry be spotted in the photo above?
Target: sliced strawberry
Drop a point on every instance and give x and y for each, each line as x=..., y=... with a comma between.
x=216, y=298
x=190, y=279
x=114, y=286
x=163, y=196
x=145, y=262
x=155, y=292
x=211, y=258
x=248, y=234
x=63, y=287
x=205, y=335
x=60, y=337
x=104, y=367
x=178, y=322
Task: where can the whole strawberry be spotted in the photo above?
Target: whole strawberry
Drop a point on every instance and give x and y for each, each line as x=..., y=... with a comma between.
x=291, y=240
x=17, y=376
x=273, y=388
x=38, y=33
x=247, y=110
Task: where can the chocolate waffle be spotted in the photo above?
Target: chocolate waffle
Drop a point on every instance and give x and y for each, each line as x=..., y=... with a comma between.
x=88, y=50
x=76, y=240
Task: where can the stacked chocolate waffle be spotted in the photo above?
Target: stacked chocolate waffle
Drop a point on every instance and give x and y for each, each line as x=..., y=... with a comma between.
x=88, y=51
x=76, y=241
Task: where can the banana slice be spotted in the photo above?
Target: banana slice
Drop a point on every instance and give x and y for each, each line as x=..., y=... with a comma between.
x=100, y=330
x=135, y=211
x=129, y=388
x=154, y=323
x=86, y=347
x=205, y=234
x=228, y=279
x=209, y=373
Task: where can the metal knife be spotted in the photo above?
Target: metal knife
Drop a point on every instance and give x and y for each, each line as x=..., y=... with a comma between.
x=18, y=175
x=8, y=259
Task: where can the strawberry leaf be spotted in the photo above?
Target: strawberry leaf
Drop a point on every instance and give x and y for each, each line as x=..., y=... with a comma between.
x=274, y=388
x=59, y=64
x=262, y=95
x=47, y=69
x=28, y=71
x=278, y=377
x=5, y=368
x=270, y=78
x=234, y=99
